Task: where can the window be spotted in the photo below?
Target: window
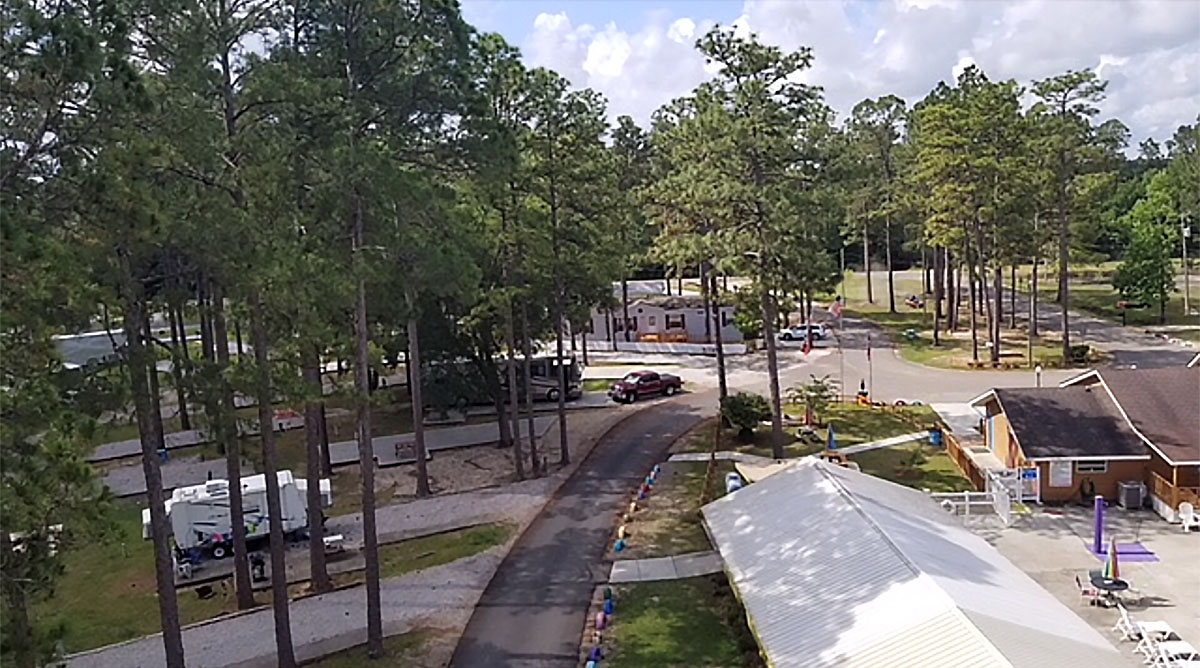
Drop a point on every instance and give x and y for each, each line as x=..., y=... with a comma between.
x=1091, y=467
x=653, y=320
x=675, y=321
x=1060, y=474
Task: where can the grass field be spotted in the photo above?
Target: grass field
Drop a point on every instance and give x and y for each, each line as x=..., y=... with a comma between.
x=107, y=591
x=932, y=469
x=668, y=523
x=691, y=622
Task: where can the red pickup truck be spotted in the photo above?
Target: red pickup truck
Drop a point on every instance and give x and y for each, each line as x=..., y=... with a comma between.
x=643, y=383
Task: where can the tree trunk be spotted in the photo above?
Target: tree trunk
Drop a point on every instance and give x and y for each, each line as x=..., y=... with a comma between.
x=583, y=338
x=985, y=300
x=326, y=462
x=1012, y=296
x=312, y=471
x=967, y=258
x=206, y=334
x=178, y=339
x=511, y=373
x=887, y=244
x=563, y=451
x=1064, y=289
x=18, y=635
x=1033, y=299
x=952, y=291
x=527, y=352
x=666, y=279
x=704, y=299
x=998, y=288
x=418, y=405
x=266, y=425
x=926, y=283
x=937, y=295
x=768, y=307
x=867, y=262
x=149, y=429
x=231, y=444
x=237, y=332
x=366, y=451
x=716, y=315
x=625, y=308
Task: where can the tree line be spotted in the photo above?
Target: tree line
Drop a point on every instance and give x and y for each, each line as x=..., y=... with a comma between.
x=370, y=180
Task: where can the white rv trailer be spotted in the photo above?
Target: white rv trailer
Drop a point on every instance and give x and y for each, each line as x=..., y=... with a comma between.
x=199, y=514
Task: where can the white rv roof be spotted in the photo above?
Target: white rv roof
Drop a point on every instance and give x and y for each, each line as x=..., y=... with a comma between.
x=219, y=487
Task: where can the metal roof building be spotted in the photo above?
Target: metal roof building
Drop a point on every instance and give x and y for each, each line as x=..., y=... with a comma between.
x=840, y=568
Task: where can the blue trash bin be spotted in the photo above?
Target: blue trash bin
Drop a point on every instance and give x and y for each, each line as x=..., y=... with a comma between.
x=935, y=436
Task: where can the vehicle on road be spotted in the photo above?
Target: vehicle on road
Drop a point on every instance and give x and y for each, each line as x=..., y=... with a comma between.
x=644, y=383
x=800, y=332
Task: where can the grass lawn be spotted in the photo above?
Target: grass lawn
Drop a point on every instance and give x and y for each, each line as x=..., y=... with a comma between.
x=700, y=439
x=1100, y=299
x=692, y=622
x=597, y=384
x=107, y=591
x=399, y=650
x=954, y=352
x=932, y=469
x=668, y=523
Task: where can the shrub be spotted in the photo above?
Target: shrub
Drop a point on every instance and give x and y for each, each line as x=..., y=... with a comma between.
x=745, y=410
x=1080, y=352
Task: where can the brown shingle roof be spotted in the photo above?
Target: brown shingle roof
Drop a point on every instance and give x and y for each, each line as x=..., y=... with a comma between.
x=1164, y=405
x=1068, y=422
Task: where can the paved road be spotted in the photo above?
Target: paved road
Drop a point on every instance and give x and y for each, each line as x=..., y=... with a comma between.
x=532, y=613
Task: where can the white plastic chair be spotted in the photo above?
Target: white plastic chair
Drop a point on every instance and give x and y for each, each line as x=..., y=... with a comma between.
x=1188, y=517
x=1124, y=625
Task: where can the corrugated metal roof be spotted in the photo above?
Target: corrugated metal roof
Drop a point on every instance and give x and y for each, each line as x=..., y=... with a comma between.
x=839, y=568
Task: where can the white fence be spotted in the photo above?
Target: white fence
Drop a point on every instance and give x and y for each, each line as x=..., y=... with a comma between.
x=964, y=503
x=602, y=345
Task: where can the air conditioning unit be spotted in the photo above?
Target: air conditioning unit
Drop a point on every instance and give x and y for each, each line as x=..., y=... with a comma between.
x=1131, y=494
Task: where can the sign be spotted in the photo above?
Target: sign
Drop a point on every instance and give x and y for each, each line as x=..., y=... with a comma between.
x=1029, y=474
x=1061, y=474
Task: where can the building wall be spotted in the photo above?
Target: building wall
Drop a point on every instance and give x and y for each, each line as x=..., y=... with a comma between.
x=1106, y=483
x=693, y=323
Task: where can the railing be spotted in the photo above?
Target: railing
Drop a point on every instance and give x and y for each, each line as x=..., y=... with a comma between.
x=1171, y=495
x=963, y=461
x=962, y=502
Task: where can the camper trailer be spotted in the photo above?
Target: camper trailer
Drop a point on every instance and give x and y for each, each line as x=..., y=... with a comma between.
x=199, y=514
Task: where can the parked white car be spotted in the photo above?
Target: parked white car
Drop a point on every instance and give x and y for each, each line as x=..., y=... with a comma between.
x=799, y=332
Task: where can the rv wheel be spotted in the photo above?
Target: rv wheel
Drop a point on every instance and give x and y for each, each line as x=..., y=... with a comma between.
x=552, y=395
x=219, y=551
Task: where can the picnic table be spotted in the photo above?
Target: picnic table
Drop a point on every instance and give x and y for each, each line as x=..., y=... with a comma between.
x=1108, y=588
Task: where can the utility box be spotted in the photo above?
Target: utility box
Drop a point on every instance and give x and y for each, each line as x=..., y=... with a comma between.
x=1131, y=494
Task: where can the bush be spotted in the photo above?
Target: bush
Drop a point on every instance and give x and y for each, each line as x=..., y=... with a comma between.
x=745, y=410
x=1080, y=353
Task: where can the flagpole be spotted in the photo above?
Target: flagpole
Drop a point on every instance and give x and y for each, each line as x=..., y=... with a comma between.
x=870, y=371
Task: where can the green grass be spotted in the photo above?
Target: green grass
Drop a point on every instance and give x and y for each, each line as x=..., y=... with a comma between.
x=1100, y=299
x=668, y=523
x=951, y=353
x=933, y=470
x=691, y=622
x=597, y=384
x=107, y=591
x=400, y=650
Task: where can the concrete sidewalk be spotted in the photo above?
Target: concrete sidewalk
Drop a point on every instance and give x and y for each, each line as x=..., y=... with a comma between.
x=666, y=568
x=884, y=443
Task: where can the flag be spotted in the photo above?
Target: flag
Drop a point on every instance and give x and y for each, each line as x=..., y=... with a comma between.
x=836, y=307
x=831, y=439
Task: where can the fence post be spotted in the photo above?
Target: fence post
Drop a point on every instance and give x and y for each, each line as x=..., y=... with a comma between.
x=967, y=502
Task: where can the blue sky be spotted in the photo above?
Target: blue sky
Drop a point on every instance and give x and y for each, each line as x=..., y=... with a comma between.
x=640, y=54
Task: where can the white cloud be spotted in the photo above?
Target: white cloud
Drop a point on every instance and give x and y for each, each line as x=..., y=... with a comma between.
x=1149, y=51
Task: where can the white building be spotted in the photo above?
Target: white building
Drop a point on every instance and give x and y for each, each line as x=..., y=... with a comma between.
x=662, y=318
x=839, y=568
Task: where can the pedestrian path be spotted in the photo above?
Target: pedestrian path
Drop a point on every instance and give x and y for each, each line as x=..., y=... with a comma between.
x=884, y=443
x=666, y=568
x=725, y=455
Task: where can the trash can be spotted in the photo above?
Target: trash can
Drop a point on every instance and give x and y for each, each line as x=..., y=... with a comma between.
x=935, y=437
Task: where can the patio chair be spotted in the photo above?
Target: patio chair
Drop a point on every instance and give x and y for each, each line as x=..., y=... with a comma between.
x=1171, y=653
x=1150, y=634
x=1188, y=517
x=1125, y=625
x=1086, y=592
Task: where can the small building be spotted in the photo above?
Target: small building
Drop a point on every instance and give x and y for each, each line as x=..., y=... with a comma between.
x=662, y=318
x=1102, y=428
x=839, y=568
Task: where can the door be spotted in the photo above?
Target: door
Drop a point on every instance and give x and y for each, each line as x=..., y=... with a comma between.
x=649, y=384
